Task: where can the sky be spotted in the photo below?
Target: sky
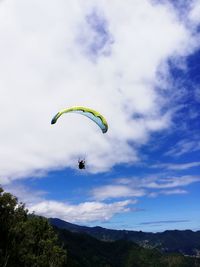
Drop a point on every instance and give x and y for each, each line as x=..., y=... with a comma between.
x=137, y=62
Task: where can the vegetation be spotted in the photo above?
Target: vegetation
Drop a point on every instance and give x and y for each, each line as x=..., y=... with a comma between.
x=30, y=241
x=86, y=251
x=186, y=242
x=26, y=241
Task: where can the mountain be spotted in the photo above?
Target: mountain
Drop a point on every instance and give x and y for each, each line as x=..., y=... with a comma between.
x=84, y=250
x=186, y=242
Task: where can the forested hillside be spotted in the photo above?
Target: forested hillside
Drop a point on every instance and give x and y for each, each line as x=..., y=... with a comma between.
x=186, y=242
x=27, y=240
x=86, y=251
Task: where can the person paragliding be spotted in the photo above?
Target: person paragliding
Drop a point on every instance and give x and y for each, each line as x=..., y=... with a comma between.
x=88, y=112
x=81, y=164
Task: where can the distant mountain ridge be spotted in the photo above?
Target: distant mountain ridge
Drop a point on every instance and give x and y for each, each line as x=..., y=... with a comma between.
x=84, y=250
x=186, y=242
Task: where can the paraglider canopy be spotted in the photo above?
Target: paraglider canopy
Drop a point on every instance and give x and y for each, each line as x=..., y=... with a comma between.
x=88, y=112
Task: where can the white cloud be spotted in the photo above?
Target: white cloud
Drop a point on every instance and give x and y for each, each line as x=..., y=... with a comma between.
x=90, y=211
x=184, y=146
x=195, y=11
x=25, y=194
x=171, y=182
x=44, y=67
x=151, y=186
x=178, y=166
x=84, y=212
x=174, y=192
x=167, y=192
x=116, y=191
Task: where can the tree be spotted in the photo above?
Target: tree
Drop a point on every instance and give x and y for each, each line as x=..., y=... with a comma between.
x=26, y=240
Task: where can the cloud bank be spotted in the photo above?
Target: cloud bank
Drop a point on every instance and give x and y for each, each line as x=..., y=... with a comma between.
x=84, y=212
x=108, y=56
x=89, y=211
x=151, y=186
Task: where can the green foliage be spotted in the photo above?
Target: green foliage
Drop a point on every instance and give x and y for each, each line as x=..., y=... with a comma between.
x=26, y=241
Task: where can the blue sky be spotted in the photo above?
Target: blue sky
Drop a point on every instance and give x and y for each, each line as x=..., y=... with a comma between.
x=138, y=63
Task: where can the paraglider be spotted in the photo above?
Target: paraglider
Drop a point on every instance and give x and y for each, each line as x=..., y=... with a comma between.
x=91, y=114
